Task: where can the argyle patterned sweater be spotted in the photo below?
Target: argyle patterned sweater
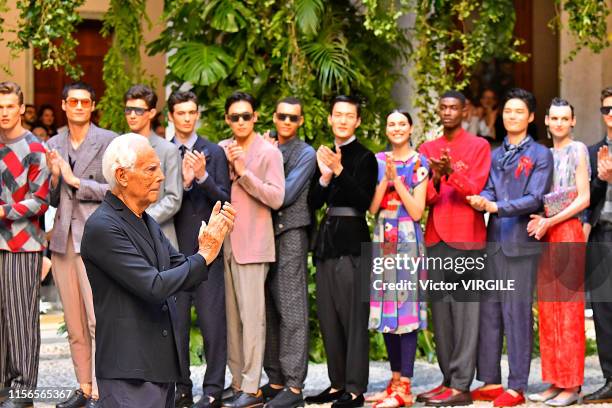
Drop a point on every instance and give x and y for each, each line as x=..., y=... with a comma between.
x=24, y=193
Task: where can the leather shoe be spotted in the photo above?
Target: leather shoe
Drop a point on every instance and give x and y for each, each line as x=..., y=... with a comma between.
x=487, y=395
x=448, y=399
x=245, y=400
x=229, y=394
x=93, y=403
x=604, y=394
x=508, y=400
x=269, y=392
x=207, y=401
x=286, y=399
x=76, y=400
x=183, y=400
x=324, y=397
x=347, y=401
x=431, y=393
x=9, y=403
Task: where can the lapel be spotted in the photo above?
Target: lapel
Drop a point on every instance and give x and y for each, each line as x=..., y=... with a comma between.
x=254, y=152
x=90, y=148
x=161, y=252
x=130, y=218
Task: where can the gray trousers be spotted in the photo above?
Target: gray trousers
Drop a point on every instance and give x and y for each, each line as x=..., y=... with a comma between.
x=455, y=323
x=19, y=318
x=135, y=393
x=286, y=356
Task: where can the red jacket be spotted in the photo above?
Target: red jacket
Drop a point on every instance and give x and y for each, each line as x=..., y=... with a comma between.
x=451, y=219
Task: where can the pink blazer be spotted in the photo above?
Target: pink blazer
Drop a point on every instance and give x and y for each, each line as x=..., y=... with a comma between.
x=260, y=189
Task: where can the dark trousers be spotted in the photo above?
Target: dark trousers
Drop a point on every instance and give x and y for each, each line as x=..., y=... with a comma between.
x=135, y=393
x=599, y=283
x=19, y=318
x=286, y=355
x=343, y=316
x=401, y=349
x=507, y=313
x=209, y=301
x=455, y=322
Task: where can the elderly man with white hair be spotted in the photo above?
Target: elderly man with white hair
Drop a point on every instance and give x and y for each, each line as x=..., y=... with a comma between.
x=134, y=272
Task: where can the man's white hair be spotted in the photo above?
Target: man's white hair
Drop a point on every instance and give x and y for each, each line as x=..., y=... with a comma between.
x=121, y=153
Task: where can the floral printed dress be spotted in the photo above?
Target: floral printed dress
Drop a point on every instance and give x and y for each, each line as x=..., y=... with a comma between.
x=400, y=310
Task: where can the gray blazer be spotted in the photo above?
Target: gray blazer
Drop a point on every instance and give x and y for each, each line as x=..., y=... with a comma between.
x=171, y=192
x=75, y=206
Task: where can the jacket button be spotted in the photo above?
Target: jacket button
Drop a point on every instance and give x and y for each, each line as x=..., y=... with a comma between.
x=280, y=225
x=165, y=308
x=165, y=333
x=280, y=213
x=91, y=176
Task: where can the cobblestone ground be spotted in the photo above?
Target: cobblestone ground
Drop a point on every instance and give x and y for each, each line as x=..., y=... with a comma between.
x=56, y=370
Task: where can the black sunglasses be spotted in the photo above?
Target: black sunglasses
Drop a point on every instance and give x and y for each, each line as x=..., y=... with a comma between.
x=235, y=117
x=292, y=118
x=606, y=110
x=138, y=111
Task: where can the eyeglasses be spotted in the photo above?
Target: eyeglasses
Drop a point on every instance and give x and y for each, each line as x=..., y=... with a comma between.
x=73, y=102
x=284, y=116
x=606, y=110
x=235, y=117
x=133, y=109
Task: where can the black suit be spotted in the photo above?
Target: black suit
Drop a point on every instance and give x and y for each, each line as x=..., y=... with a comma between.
x=208, y=297
x=599, y=265
x=134, y=271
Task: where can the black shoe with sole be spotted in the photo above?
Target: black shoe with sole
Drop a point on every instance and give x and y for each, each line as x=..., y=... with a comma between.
x=269, y=392
x=347, y=401
x=245, y=400
x=76, y=400
x=324, y=397
x=286, y=399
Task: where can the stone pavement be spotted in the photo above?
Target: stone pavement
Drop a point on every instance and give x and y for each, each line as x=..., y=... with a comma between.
x=56, y=369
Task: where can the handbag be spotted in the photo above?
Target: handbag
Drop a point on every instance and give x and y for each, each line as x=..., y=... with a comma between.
x=559, y=200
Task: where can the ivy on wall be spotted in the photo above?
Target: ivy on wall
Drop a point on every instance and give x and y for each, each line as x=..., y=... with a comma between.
x=122, y=64
x=46, y=27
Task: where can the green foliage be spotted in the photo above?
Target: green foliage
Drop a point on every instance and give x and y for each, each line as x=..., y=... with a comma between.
x=452, y=38
x=46, y=27
x=309, y=48
x=587, y=21
x=122, y=63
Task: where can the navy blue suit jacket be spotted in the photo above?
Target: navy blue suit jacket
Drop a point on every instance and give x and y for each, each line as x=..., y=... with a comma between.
x=134, y=272
x=517, y=195
x=199, y=201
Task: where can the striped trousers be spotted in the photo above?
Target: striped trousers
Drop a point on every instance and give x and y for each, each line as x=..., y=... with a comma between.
x=19, y=319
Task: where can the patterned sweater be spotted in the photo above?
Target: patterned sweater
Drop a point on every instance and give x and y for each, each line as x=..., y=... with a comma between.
x=24, y=193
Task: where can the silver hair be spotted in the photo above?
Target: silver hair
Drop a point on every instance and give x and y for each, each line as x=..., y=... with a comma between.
x=121, y=153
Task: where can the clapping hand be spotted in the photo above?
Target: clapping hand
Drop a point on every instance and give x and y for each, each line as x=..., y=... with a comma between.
x=235, y=155
x=604, y=164
x=211, y=236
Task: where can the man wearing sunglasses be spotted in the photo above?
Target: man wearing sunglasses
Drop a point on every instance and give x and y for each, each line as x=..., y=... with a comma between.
x=140, y=102
x=205, y=179
x=77, y=189
x=286, y=356
x=599, y=256
x=258, y=187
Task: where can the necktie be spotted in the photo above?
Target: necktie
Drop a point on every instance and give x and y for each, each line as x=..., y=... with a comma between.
x=183, y=149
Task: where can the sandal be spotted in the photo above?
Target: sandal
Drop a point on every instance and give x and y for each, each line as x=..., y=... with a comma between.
x=381, y=395
x=402, y=397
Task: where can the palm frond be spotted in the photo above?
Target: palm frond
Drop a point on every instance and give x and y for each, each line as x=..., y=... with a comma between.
x=330, y=58
x=200, y=64
x=308, y=15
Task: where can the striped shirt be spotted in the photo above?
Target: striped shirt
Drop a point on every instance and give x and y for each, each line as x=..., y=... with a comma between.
x=24, y=193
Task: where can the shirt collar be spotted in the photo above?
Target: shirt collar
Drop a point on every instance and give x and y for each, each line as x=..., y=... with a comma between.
x=287, y=144
x=352, y=139
x=189, y=143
